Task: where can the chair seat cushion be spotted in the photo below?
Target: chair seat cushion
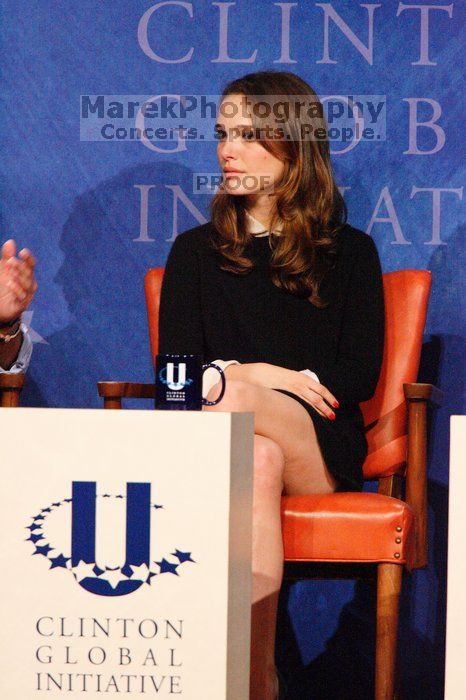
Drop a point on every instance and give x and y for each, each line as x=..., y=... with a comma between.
x=347, y=527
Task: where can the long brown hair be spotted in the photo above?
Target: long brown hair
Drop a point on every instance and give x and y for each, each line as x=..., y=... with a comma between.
x=308, y=203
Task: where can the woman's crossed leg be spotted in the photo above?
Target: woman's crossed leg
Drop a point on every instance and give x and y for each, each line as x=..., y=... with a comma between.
x=287, y=459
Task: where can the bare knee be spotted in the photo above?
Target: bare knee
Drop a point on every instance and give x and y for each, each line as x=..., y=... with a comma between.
x=269, y=465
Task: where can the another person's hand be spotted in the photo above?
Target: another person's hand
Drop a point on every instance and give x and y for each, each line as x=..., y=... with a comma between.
x=17, y=281
x=275, y=377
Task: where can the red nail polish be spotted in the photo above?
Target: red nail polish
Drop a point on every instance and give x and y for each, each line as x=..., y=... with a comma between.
x=336, y=404
x=332, y=416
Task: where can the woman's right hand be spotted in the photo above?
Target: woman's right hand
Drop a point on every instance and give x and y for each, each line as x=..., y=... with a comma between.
x=275, y=377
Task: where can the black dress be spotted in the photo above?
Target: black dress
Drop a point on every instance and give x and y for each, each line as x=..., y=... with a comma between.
x=207, y=311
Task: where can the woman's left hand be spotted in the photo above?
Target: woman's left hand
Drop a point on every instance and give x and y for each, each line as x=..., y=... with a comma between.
x=275, y=377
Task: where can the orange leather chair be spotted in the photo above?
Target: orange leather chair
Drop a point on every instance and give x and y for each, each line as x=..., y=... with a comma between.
x=10, y=389
x=356, y=535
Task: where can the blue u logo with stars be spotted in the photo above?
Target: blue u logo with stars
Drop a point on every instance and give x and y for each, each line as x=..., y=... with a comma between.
x=138, y=569
x=137, y=535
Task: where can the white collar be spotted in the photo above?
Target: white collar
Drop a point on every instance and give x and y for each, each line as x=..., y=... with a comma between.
x=257, y=229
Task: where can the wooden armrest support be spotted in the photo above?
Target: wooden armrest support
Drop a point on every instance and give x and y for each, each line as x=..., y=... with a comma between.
x=113, y=392
x=418, y=396
x=423, y=392
x=9, y=380
x=10, y=388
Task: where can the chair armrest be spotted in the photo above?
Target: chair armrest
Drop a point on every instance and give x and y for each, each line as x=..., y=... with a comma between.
x=418, y=396
x=423, y=392
x=10, y=388
x=113, y=392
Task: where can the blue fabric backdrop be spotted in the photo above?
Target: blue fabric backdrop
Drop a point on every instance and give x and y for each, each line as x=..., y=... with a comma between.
x=77, y=205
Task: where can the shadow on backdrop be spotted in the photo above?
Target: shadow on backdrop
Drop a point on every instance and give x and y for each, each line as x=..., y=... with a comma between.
x=102, y=280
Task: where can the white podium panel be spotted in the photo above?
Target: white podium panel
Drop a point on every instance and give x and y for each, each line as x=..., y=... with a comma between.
x=455, y=675
x=125, y=553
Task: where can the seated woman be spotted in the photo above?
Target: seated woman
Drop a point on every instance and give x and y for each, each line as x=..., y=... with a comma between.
x=280, y=282
x=17, y=288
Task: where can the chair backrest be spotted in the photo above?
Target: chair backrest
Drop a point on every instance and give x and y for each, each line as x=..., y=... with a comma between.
x=406, y=294
x=152, y=288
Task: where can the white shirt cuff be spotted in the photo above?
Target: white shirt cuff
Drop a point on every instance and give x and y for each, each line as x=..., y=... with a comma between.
x=211, y=376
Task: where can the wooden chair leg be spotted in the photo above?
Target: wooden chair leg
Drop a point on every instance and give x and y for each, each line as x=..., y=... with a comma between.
x=112, y=402
x=389, y=578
